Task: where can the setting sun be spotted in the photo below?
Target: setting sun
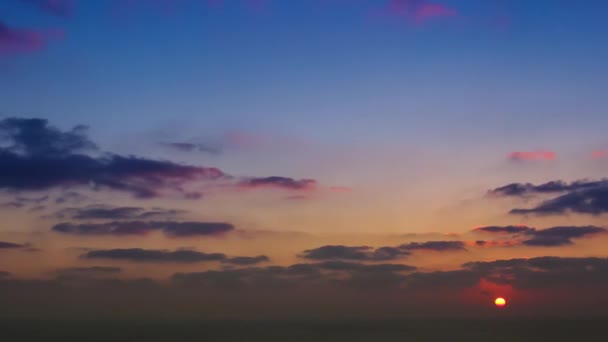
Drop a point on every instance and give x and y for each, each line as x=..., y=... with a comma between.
x=500, y=302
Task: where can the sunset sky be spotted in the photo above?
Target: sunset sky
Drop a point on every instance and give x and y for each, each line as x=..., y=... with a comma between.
x=305, y=158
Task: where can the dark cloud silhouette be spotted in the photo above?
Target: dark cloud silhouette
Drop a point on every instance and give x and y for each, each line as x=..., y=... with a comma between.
x=279, y=182
x=30, y=145
x=10, y=245
x=338, y=252
x=366, y=253
x=505, y=229
x=544, y=272
x=152, y=255
x=62, y=8
x=549, y=237
x=100, y=212
x=170, y=228
x=522, y=189
x=593, y=201
x=192, y=147
x=348, y=274
x=439, y=246
x=244, y=261
x=4, y=274
x=34, y=137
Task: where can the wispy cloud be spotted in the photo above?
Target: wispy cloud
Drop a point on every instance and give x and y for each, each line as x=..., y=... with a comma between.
x=532, y=155
x=18, y=40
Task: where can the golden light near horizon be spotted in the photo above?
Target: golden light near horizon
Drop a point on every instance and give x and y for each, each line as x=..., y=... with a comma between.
x=500, y=302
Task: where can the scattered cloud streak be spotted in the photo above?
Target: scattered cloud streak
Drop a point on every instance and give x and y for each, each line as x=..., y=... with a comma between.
x=549, y=237
x=10, y=245
x=165, y=256
x=18, y=40
x=533, y=156
x=126, y=228
x=420, y=11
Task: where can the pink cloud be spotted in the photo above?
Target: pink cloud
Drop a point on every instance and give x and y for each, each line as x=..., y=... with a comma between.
x=533, y=155
x=420, y=11
x=14, y=40
x=599, y=154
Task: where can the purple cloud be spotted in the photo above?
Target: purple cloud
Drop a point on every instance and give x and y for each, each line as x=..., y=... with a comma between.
x=14, y=40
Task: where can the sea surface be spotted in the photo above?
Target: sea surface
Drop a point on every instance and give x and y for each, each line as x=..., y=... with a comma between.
x=537, y=330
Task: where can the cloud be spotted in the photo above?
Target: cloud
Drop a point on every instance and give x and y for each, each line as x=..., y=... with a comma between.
x=279, y=182
x=245, y=261
x=593, y=201
x=30, y=145
x=122, y=228
x=599, y=154
x=345, y=274
x=504, y=229
x=522, y=189
x=16, y=40
x=549, y=237
x=362, y=253
x=100, y=212
x=4, y=274
x=438, y=246
x=544, y=272
x=62, y=8
x=419, y=11
x=192, y=147
x=561, y=236
x=532, y=156
x=10, y=245
x=35, y=137
x=153, y=255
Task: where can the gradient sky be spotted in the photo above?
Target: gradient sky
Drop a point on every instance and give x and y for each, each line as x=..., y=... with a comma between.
x=421, y=157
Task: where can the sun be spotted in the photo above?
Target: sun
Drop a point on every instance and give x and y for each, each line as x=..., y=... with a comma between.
x=500, y=302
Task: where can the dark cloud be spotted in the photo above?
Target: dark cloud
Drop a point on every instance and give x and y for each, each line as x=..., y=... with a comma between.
x=170, y=228
x=366, y=253
x=4, y=274
x=439, y=246
x=244, y=261
x=544, y=272
x=549, y=237
x=561, y=236
x=10, y=245
x=279, y=182
x=361, y=253
x=99, y=212
x=522, y=189
x=505, y=229
x=30, y=145
x=62, y=8
x=34, y=137
x=348, y=274
x=192, y=147
x=548, y=241
x=151, y=255
x=593, y=201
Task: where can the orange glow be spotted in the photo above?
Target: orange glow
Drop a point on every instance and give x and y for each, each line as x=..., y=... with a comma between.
x=500, y=302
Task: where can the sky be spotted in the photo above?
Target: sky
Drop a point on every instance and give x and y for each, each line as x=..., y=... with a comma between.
x=305, y=158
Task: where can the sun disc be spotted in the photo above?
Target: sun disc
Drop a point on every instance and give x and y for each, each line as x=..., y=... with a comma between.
x=500, y=302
